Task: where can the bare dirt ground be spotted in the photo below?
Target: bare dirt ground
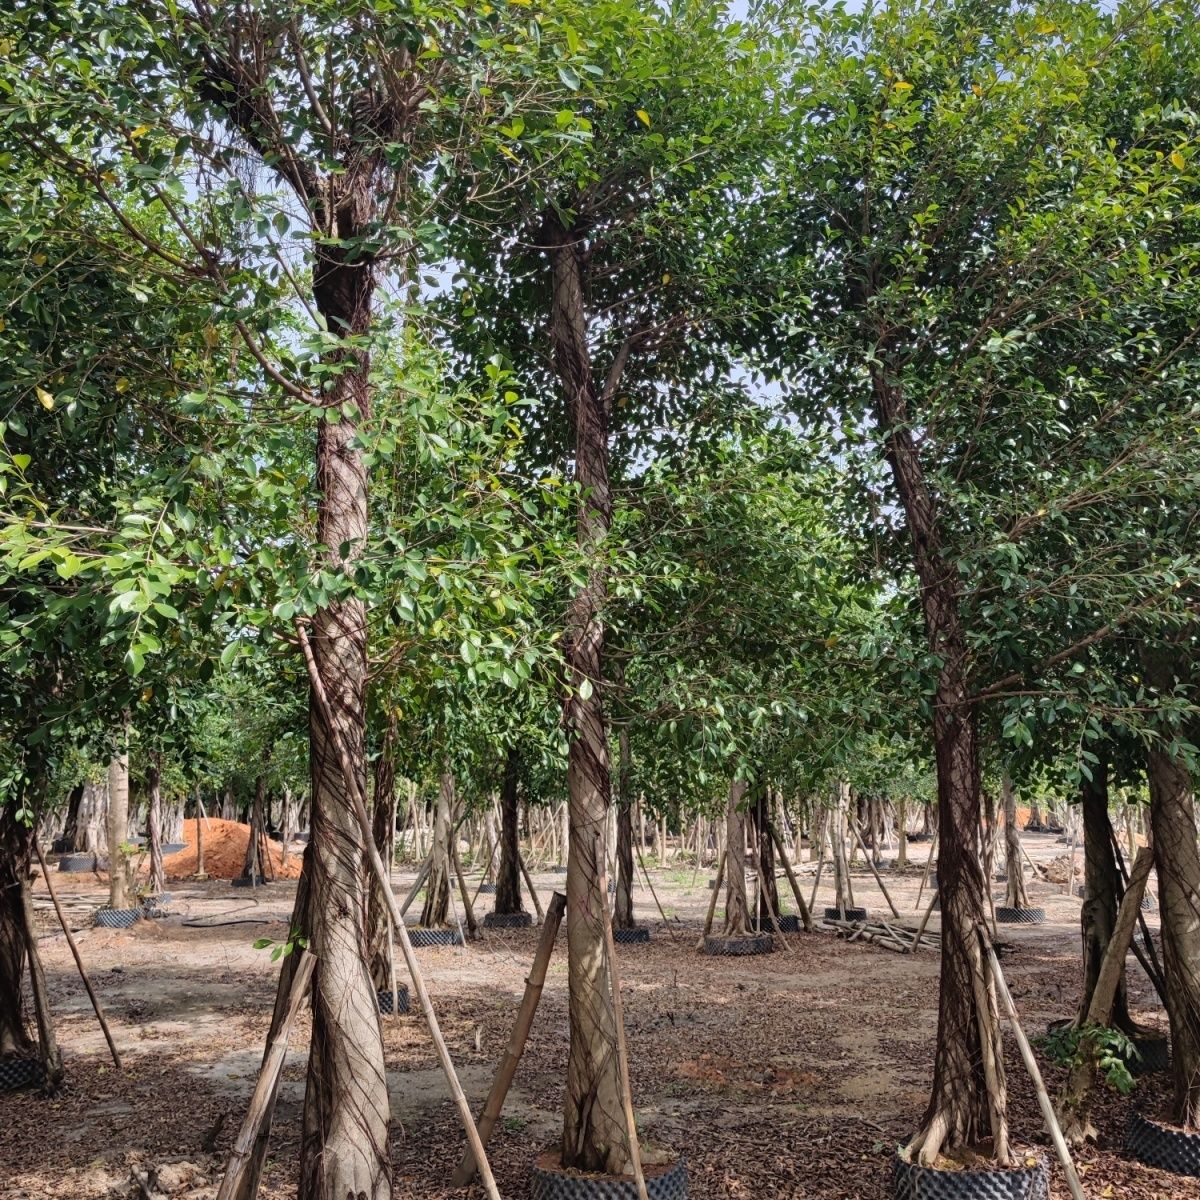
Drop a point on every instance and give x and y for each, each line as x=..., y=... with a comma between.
x=792, y=1075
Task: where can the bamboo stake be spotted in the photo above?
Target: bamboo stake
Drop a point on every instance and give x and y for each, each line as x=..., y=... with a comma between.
x=87, y=983
x=924, y=922
x=537, y=904
x=812, y=903
x=871, y=864
x=264, y=1088
x=635, y=1153
x=805, y=911
x=48, y=1050
x=928, y=863
x=472, y=927
x=507, y=1069
x=712, y=900
x=358, y=802
x=422, y=875
x=1044, y=1103
x=661, y=913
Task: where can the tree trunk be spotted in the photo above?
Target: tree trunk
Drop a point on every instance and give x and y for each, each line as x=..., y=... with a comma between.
x=969, y=1094
x=92, y=835
x=436, y=912
x=1014, y=892
x=118, y=828
x=737, y=907
x=71, y=827
x=287, y=825
x=1177, y=863
x=768, y=893
x=1101, y=894
x=158, y=882
x=508, y=881
x=594, y=1134
x=843, y=898
x=345, y=1149
x=901, y=834
x=252, y=864
x=623, y=909
x=16, y=850
x=383, y=825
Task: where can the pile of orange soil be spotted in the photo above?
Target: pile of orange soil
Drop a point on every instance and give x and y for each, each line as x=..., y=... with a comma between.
x=225, y=845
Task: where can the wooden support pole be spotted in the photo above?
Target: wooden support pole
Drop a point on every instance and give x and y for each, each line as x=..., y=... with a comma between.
x=422, y=875
x=48, y=1051
x=534, y=983
x=928, y=864
x=871, y=863
x=712, y=900
x=635, y=1153
x=359, y=805
x=924, y=921
x=650, y=885
x=1075, y=1101
x=472, y=927
x=1010, y=1009
x=537, y=904
x=87, y=983
x=264, y=1088
x=812, y=903
x=805, y=911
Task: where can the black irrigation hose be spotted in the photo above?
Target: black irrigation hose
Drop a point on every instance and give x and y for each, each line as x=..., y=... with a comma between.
x=206, y=923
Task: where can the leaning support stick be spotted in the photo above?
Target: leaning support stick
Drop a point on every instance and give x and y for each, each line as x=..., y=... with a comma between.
x=635, y=1153
x=928, y=864
x=87, y=983
x=507, y=1069
x=712, y=901
x=924, y=921
x=472, y=927
x=1044, y=1103
x=358, y=802
x=805, y=911
x=262, y=1101
x=537, y=904
x=650, y=885
x=871, y=864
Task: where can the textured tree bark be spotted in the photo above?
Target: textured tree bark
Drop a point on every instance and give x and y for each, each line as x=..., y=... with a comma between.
x=843, y=897
x=594, y=1123
x=158, y=882
x=737, y=907
x=964, y=1102
x=252, y=865
x=1101, y=894
x=768, y=893
x=1177, y=862
x=901, y=834
x=508, y=880
x=383, y=824
x=623, y=909
x=1014, y=893
x=118, y=829
x=344, y=1145
x=436, y=911
x=16, y=849
x=71, y=828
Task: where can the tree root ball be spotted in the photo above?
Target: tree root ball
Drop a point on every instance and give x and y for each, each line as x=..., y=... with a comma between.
x=1156, y=1145
x=910, y=1181
x=495, y=920
x=847, y=914
x=551, y=1181
x=1019, y=916
x=630, y=937
x=739, y=946
x=19, y=1071
x=384, y=996
x=118, y=918
x=435, y=937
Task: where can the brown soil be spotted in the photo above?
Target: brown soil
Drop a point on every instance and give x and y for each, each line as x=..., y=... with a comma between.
x=224, y=853
x=794, y=1075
